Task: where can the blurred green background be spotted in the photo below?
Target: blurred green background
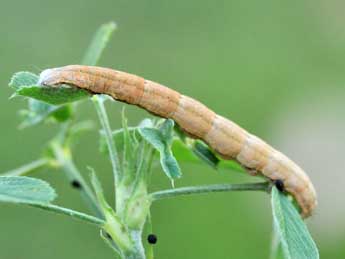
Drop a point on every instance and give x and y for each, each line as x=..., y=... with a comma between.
x=274, y=67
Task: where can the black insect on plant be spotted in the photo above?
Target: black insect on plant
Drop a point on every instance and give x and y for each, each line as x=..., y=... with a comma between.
x=152, y=239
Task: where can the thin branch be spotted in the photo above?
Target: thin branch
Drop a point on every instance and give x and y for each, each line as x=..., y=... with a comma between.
x=64, y=158
x=170, y=193
x=72, y=213
x=103, y=117
x=28, y=168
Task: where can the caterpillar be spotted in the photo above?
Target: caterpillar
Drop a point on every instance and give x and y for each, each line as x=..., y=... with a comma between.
x=225, y=137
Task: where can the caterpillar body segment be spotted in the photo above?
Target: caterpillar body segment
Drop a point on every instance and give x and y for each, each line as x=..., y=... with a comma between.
x=228, y=139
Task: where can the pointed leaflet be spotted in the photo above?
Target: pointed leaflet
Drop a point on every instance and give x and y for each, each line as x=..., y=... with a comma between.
x=113, y=225
x=20, y=189
x=205, y=153
x=25, y=84
x=119, y=135
x=22, y=79
x=130, y=148
x=200, y=149
x=190, y=153
x=40, y=111
x=184, y=147
x=41, y=98
x=53, y=95
x=161, y=139
x=296, y=241
x=98, y=43
x=182, y=152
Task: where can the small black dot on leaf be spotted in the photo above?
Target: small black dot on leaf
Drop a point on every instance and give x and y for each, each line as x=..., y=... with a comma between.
x=279, y=184
x=152, y=239
x=76, y=184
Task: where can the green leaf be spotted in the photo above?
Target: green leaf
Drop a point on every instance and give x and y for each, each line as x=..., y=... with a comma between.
x=26, y=84
x=161, y=140
x=44, y=102
x=195, y=151
x=146, y=123
x=167, y=129
x=182, y=152
x=130, y=149
x=118, y=136
x=205, y=154
x=53, y=95
x=294, y=236
x=63, y=113
x=98, y=43
x=39, y=111
x=21, y=79
x=128, y=141
x=188, y=153
x=96, y=184
x=21, y=189
x=113, y=226
x=105, y=236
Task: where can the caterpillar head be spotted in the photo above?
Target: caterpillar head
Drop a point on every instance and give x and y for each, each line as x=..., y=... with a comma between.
x=49, y=77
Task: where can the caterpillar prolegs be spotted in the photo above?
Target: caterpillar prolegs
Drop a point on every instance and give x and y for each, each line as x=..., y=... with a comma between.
x=228, y=139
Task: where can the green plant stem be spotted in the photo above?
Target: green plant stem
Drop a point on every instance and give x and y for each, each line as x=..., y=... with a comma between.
x=137, y=248
x=170, y=193
x=29, y=168
x=103, y=117
x=63, y=156
x=72, y=213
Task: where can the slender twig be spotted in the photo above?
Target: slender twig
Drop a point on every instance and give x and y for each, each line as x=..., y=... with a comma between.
x=64, y=158
x=72, y=213
x=170, y=193
x=103, y=117
x=28, y=168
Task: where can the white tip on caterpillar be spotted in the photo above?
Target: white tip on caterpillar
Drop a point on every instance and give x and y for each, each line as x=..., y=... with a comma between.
x=45, y=75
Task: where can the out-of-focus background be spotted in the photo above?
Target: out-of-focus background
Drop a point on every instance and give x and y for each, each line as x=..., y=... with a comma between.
x=274, y=67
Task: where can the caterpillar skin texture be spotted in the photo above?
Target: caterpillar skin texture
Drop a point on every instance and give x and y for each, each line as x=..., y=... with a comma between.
x=228, y=139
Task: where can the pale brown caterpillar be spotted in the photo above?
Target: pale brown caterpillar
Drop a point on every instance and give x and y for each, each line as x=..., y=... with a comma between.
x=228, y=139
